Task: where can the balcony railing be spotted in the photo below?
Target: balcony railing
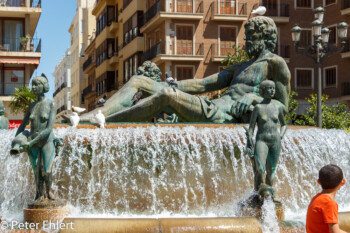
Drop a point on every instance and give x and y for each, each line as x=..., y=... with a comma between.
x=160, y=6
x=346, y=46
x=130, y=35
x=19, y=45
x=182, y=48
x=20, y=3
x=63, y=85
x=284, y=51
x=126, y=3
x=345, y=4
x=87, y=63
x=274, y=11
x=345, y=89
x=87, y=90
x=62, y=108
x=222, y=49
x=229, y=8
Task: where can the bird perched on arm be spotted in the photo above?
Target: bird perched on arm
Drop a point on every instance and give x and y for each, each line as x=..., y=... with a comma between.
x=137, y=97
x=101, y=101
x=170, y=81
x=74, y=119
x=100, y=119
x=78, y=109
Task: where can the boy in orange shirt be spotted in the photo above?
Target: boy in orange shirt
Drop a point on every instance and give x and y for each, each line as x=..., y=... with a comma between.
x=322, y=214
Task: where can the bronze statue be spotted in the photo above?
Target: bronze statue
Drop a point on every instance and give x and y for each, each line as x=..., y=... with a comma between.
x=39, y=143
x=267, y=148
x=4, y=122
x=242, y=80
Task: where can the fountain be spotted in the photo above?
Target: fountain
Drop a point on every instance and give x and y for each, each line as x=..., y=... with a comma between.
x=178, y=177
x=171, y=171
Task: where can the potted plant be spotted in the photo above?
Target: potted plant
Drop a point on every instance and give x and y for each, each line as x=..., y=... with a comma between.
x=23, y=41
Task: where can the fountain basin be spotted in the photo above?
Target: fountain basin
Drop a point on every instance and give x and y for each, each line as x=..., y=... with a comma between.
x=164, y=225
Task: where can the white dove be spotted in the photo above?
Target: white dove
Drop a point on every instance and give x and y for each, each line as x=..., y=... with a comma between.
x=100, y=119
x=78, y=109
x=261, y=10
x=170, y=81
x=74, y=119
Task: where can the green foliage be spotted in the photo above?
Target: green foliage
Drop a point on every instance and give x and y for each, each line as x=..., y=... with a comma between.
x=21, y=99
x=333, y=117
x=293, y=105
x=240, y=55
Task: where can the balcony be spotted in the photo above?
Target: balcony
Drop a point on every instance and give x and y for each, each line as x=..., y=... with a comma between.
x=18, y=9
x=87, y=90
x=229, y=11
x=345, y=53
x=27, y=48
x=20, y=3
x=131, y=35
x=162, y=10
x=279, y=13
x=345, y=7
x=63, y=85
x=182, y=51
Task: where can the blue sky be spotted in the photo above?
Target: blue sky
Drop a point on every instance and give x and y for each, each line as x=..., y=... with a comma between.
x=53, y=28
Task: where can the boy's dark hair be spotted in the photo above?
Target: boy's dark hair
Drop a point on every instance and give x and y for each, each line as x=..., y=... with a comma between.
x=330, y=176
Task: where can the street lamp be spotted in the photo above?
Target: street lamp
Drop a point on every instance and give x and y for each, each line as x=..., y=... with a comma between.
x=320, y=50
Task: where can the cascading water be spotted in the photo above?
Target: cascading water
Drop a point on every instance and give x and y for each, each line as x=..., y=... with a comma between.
x=165, y=171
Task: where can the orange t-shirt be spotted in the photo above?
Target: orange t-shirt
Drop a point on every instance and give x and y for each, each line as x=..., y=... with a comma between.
x=322, y=211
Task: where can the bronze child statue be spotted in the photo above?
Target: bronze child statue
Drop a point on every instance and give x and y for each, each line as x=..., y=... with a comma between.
x=39, y=143
x=267, y=148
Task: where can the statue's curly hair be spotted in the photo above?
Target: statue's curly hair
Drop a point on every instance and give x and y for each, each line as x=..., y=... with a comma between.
x=151, y=70
x=268, y=28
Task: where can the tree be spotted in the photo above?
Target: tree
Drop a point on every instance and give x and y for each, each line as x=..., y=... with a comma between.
x=291, y=116
x=333, y=117
x=240, y=55
x=21, y=99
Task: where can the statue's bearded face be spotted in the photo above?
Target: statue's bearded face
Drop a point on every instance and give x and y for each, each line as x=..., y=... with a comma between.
x=254, y=41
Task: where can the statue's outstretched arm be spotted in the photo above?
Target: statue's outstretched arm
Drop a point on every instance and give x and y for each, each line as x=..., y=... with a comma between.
x=46, y=132
x=213, y=82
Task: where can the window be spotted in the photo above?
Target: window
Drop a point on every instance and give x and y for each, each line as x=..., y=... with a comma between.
x=110, y=15
x=14, y=77
x=303, y=3
x=185, y=6
x=184, y=40
x=304, y=78
x=227, y=39
x=184, y=72
x=13, y=30
x=330, y=76
x=328, y=2
x=131, y=27
x=305, y=38
x=131, y=64
x=83, y=26
x=333, y=35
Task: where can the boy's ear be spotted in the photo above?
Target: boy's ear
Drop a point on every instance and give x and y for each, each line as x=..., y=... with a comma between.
x=342, y=182
x=318, y=181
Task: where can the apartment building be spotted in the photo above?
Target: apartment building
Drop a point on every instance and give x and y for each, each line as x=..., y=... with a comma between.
x=82, y=26
x=190, y=38
x=20, y=51
x=62, y=94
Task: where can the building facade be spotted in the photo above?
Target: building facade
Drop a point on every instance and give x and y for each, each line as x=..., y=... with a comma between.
x=189, y=39
x=62, y=94
x=83, y=25
x=19, y=52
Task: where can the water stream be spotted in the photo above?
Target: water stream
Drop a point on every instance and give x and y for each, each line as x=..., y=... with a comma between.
x=163, y=171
